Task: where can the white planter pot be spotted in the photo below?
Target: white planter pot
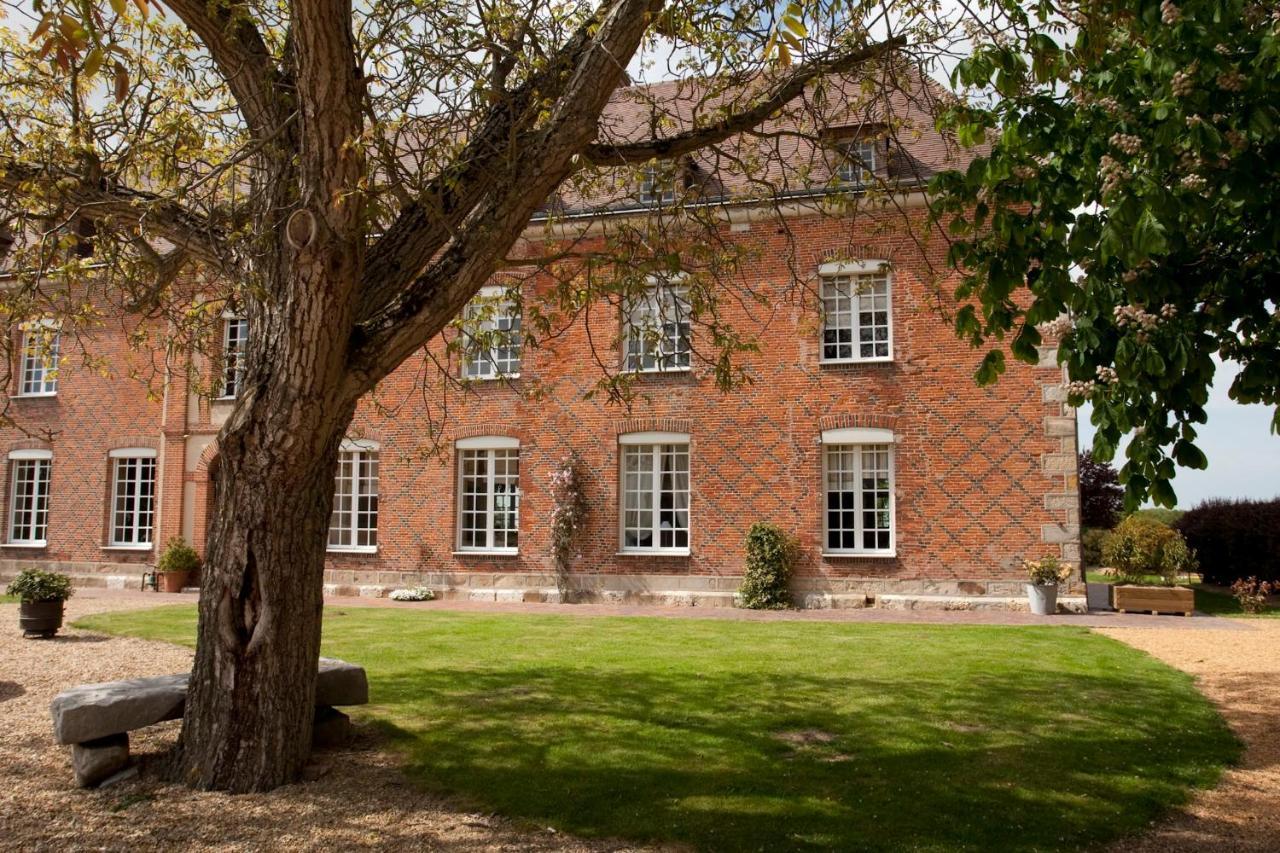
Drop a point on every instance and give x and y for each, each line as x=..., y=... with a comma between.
x=1043, y=598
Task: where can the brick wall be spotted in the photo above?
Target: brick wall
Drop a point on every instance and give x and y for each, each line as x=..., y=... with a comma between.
x=984, y=477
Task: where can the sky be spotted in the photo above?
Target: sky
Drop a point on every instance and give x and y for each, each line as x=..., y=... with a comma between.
x=1244, y=456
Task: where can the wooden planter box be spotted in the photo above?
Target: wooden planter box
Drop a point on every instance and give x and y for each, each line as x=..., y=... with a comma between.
x=1154, y=599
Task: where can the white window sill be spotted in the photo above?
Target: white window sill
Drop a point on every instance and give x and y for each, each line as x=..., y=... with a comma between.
x=893, y=553
x=147, y=547
x=230, y=399
x=487, y=552
x=352, y=549
x=493, y=378
x=884, y=359
x=43, y=395
x=42, y=544
x=654, y=552
x=651, y=371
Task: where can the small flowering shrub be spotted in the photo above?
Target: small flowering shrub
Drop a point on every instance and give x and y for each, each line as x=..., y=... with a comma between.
x=568, y=515
x=32, y=586
x=771, y=556
x=1252, y=594
x=1047, y=570
x=1140, y=546
x=417, y=593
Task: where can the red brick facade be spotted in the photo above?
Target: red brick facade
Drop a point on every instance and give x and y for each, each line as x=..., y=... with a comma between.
x=983, y=477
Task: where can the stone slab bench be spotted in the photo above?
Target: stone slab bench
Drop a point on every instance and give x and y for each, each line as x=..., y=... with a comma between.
x=96, y=718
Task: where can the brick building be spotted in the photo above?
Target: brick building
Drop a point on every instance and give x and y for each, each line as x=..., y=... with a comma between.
x=861, y=432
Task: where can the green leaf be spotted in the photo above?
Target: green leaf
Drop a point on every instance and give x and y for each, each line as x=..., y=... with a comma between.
x=990, y=369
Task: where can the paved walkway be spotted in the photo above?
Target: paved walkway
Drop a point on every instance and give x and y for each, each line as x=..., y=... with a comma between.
x=1095, y=619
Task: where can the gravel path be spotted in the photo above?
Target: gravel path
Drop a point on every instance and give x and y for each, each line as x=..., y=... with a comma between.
x=360, y=800
x=1240, y=671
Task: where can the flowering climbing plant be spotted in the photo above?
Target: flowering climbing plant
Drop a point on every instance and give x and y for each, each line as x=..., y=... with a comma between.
x=1129, y=171
x=568, y=514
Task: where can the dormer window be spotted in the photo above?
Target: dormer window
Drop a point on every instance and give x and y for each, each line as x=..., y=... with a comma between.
x=859, y=159
x=657, y=184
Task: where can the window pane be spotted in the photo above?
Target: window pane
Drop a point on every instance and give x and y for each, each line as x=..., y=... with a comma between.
x=859, y=508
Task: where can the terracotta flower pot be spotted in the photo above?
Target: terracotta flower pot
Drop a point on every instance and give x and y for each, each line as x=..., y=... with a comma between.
x=172, y=581
x=40, y=618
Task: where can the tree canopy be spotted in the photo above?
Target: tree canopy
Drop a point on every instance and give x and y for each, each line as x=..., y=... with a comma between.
x=1131, y=185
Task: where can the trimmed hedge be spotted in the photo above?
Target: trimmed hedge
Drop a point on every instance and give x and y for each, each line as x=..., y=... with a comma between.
x=1235, y=539
x=771, y=556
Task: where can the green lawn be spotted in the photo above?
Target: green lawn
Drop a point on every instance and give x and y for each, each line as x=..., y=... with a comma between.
x=777, y=735
x=1213, y=600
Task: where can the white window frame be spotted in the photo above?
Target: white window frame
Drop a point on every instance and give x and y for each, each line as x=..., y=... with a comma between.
x=232, y=379
x=360, y=453
x=646, y=322
x=143, y=458
x=657, y=187
x=656, y=444
x=37, y=514
x=498, y=306
x=490, y=447
x=857, y=274
x=859, y=160
x=37, y=368
x=858, y=440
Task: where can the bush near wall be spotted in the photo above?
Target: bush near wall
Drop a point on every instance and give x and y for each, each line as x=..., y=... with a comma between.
x=1235, y=539
x=771, y=556
x=1091, y=539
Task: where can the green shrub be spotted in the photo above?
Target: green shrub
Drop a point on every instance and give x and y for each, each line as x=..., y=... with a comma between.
x=771, y=555
x=178, y=556
x=1142, y=546
x=1091, y=539
x=1167, y=517
x=34, y=585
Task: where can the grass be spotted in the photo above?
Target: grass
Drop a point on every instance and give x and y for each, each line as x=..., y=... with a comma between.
x=1212, y=600
x=8, y=599
x=777, y=735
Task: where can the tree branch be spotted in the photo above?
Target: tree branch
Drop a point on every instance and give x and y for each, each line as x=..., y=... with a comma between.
x=782, y=93
x=241, y=55
x=104, y=201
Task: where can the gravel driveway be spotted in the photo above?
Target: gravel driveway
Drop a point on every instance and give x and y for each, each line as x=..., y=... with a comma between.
x=1240, y=671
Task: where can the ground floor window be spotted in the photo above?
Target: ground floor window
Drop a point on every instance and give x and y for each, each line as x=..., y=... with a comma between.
x=859, y=498
x=29, y=497
x=133, y=497
x=353, y=525
x=489, y=497
x=655, y=493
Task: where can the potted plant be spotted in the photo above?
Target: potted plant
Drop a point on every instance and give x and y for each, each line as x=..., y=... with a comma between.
x=1044, y=575
x=41, y=596
x=1147, y=558
x=178, y=561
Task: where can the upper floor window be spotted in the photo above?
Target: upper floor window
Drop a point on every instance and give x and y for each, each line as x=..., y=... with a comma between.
x=656, y=330
x=29, y=472
x=657, y=184
x=353, y=525
x=859, y=513
x=488, y=494
x=491, y=325
x=856, y=312
x=858, y=160
x=235, y=336
x=133, y=497
x=38, y=370
x=655, y=492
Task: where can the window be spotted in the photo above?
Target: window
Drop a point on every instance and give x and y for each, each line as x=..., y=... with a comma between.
x=655, y=492
x=41, y=343
x=29, y=497
x=488, y=494
x=859, y=160
x=656, y=330
x=859, y=492
x=657, y=186
x=856, y=313
x=133, y=497
x=235, y=335
x=492, y=329
x=354, y=523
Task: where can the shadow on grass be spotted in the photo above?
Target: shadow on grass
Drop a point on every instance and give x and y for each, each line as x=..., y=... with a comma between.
x=1034, y=764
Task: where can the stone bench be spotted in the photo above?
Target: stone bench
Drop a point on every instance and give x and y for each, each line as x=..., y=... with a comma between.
x=96, y=718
